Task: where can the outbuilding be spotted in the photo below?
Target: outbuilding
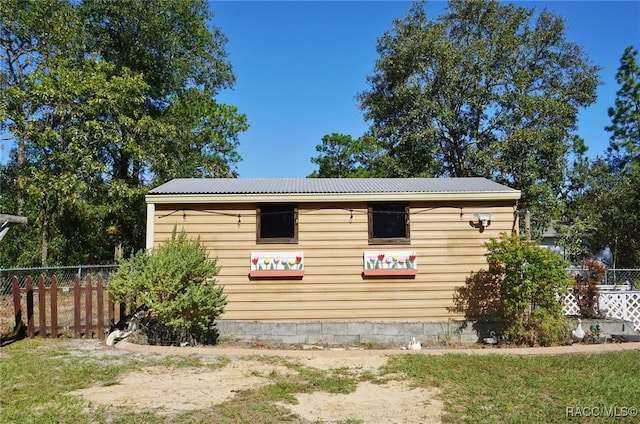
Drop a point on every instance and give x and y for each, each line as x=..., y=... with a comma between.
x=337, y=260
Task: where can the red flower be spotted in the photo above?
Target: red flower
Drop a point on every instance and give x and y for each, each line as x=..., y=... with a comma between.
x=412, y=258
x=381, y=256
x=254, y=260
x=298, y=259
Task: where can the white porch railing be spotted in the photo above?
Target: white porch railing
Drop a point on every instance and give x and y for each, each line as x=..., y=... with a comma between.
x=614, y=303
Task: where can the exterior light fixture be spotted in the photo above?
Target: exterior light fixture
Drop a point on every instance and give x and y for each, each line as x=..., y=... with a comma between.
x=484, y=219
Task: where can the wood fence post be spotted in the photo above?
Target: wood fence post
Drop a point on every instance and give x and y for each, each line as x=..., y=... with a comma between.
x=29, y=290
x=100, y=306
x=42, y=312
x=112, y=313
x=17, y=306
x=76, y=306
x=88, y=292
x=53, y=291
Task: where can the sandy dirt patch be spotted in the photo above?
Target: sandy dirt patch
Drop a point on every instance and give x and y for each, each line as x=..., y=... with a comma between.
x=391, y=403
x=182, y=389
x=358, y=364
x=170, y=390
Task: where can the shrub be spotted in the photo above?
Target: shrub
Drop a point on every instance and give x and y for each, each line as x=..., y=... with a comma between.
x=586, y=289
x=529, y=279
x=175, y=284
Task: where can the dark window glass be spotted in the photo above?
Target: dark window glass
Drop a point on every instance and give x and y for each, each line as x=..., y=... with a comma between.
x=277, y=223
x=388, y=223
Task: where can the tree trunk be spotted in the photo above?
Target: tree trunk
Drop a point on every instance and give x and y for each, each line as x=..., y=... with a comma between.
x=45, y=246
x=20, y=178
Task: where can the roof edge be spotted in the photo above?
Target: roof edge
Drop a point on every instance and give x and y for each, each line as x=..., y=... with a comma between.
x=330, y=197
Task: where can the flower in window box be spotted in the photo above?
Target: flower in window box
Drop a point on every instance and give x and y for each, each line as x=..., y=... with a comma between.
x=380, y=259
x=254, y=261
x=372, y=261
x=276, y=261
x=292, y=263
x=267, y=262
x=395, y=261
x=410, y=261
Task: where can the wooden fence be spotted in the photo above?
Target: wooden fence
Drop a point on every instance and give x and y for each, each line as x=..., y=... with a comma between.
x=64, y=310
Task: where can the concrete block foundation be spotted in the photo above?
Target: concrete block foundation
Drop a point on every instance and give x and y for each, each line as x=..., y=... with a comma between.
x=377, y=332
x=346, y=332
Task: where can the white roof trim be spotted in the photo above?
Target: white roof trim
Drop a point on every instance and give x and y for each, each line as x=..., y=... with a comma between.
x=331, y=197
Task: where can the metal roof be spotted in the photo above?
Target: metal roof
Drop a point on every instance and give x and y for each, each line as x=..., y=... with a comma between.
x=240, y=186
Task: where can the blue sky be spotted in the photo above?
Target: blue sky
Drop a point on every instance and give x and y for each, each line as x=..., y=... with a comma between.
x=300, y=64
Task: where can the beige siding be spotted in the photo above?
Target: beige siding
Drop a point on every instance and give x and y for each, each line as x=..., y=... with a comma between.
x=333, y=239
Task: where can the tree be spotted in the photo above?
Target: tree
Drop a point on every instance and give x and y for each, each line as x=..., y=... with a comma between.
x=468, y=93
x=104, y=100
x=31, y=32
x=335, y=159
x=625, y=115
x=341, y=156
x=185, y=66
x=82, y=107
x=604, y=212
x=605, y=197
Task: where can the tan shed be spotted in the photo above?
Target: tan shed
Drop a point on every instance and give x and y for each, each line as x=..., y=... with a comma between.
x=337, y=250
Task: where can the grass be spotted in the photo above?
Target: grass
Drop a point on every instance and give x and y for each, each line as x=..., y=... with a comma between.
x=525, y=389
x=37, y=375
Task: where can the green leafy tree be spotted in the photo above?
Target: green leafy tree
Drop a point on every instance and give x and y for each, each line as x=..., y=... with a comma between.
x=604, y=213
x=103, y=100
x=340, y=156
x=625, y=115
x=187, y=133
x=336, y=158
x=467, y=93
x=604, y=197
x=31, y=32
x=82, y=107
x=175, y=283
x=184, y=66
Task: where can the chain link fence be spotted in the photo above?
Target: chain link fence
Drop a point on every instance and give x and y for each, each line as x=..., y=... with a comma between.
x=65, y=275
x=628, y=278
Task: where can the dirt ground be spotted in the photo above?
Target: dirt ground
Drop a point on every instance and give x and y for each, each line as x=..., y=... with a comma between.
x=179, y=390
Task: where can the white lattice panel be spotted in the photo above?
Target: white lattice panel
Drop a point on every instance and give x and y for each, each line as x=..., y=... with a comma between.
x=618, y=304
x=569, y=304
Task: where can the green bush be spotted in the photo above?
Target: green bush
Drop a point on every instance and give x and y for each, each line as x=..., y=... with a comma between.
x=529, y=279
x=175, y=284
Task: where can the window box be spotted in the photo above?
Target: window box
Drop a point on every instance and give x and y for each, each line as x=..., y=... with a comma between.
x=390, y=263
x=282, y=275
x=391, y=273
x=282, y=265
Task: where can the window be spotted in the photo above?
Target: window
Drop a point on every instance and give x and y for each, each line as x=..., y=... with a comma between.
x=277, y=224
x=389, y=224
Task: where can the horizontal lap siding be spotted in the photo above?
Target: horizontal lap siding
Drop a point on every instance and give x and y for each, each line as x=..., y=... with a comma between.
x=333, y=239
